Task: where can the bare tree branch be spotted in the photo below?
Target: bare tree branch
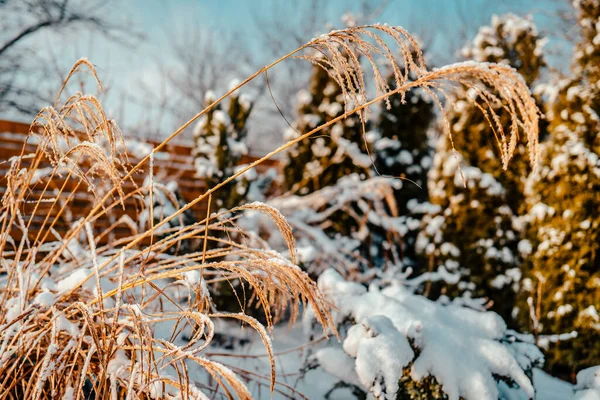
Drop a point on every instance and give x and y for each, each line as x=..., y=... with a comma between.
x=23, y=23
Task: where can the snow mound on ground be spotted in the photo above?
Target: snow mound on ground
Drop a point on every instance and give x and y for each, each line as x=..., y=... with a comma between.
x=550, y=388
x=470, y=353
x=588, y=384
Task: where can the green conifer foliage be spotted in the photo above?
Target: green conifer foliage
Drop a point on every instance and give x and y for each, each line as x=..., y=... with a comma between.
x=335, y=152
x=562, y=284
x=220, y=142
x=402, y=150
x=511, y=40
x=402, y=147
x=469, y=241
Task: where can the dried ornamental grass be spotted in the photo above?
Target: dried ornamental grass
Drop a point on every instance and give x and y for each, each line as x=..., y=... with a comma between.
x=79, y=318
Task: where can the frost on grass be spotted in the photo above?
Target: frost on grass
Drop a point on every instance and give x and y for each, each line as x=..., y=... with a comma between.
x=122, y=318
x=397, y=340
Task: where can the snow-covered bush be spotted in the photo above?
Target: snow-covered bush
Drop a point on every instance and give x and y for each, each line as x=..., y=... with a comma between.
x=336, y=152
x=562, y=276
x=473, y=234
x=562, y=279
x=328, y=171
x=398, y=345
x=468, y=234
x=219, y=144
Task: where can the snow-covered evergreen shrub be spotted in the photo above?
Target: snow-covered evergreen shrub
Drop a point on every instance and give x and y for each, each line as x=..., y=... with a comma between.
x=166, y=200
x=329, y=166
x=323, y=242
x=471, y=235
x=468, y=235
x=399, y=345
x=401, y=149
x=220, y=142
x=336, y=152
x=368, y=234
x=562, y=284
x=564, y=275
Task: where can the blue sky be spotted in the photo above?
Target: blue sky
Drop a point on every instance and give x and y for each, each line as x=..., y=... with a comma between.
x=438, y=19
x=445, y=24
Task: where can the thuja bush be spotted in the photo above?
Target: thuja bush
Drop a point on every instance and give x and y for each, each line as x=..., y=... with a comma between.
x=473, y=236
x=562, y=278
x=219, y=144
x=336, y=152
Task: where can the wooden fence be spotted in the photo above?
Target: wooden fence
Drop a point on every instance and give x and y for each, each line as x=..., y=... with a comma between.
x=172, y=163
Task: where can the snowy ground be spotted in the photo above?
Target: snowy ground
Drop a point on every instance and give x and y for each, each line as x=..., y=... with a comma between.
x=550, y=388
x=314, y=385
